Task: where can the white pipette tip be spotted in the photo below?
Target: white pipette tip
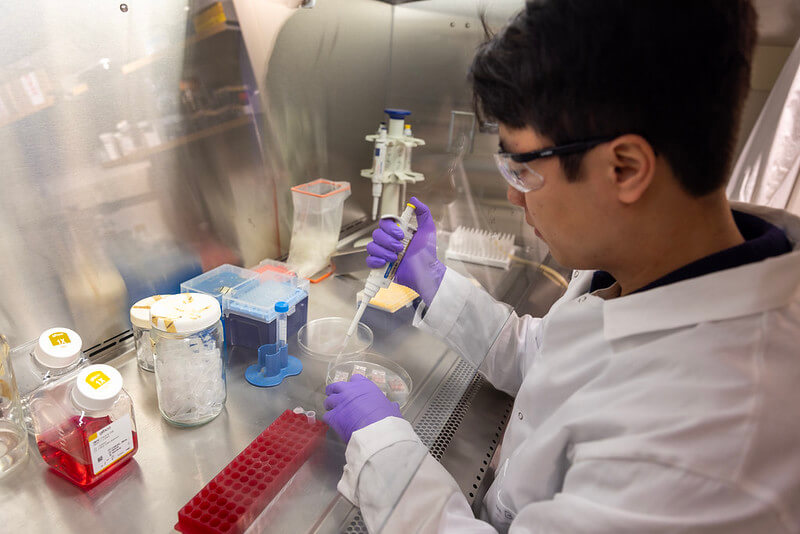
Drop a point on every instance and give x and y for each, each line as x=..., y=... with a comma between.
x=375, y=201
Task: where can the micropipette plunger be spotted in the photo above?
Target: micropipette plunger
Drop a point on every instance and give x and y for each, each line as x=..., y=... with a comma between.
x=383, y=276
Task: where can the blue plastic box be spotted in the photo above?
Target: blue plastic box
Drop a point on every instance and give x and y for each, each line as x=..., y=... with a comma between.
x=250, y=308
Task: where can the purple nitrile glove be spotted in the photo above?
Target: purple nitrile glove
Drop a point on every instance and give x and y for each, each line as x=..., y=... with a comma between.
x=420, y=269
x=355, y=404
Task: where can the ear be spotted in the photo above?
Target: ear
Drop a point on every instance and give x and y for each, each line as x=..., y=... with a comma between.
x=634, y=162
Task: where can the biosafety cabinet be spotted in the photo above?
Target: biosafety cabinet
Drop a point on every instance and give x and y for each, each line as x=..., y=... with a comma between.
x=146, y=143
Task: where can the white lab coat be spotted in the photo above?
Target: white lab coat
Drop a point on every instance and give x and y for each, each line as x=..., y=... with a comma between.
x=672, y=410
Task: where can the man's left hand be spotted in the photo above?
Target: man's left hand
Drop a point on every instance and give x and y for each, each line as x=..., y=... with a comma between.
x=355, y=404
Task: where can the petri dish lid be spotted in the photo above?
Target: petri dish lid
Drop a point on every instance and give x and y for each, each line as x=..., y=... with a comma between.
x=321, y=339
x=140, y=312
x=97, y=387
x=186, y=313
x=387, y=374
x=58, y=348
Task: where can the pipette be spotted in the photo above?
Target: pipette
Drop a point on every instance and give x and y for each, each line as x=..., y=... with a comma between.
x=378, y=169
x=383, y=276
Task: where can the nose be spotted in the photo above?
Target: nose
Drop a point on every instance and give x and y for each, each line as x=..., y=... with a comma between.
x=515, y=197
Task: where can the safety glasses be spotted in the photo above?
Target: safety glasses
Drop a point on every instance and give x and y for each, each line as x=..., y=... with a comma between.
x=520, y=175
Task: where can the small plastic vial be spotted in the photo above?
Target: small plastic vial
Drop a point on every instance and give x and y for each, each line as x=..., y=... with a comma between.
x=84, y=426
x=282, y=309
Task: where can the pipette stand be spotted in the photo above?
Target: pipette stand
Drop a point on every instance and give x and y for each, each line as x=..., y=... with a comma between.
x=397, y=170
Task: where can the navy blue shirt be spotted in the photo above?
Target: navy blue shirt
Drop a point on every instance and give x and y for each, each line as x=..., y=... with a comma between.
x=762, y=240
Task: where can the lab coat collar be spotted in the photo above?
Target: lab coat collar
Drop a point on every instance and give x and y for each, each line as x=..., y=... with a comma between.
x=748, y=289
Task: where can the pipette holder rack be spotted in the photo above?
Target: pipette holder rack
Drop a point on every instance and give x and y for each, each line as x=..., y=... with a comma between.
x=274, y=364
x=240, y=492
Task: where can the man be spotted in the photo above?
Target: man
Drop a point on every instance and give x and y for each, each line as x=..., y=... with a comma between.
x=660, y=393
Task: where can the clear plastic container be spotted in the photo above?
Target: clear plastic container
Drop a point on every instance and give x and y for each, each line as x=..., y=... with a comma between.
x=13, y=437
x=57, y=353
x=84, y=425
x=218, y=281
x=390, y=377
x=322, y=339
x=250, y=308
x=318, y=208
x=189, y=354
x=140, y=325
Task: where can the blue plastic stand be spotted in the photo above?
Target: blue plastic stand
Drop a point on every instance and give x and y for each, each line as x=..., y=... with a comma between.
x=273, y=366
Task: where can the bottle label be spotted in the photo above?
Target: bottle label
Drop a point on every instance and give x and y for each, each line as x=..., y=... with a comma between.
x=111, y=443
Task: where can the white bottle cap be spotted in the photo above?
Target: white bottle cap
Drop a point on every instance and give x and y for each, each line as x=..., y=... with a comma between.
x=185, y=313
x=97, y=387
x=58, y=348
x=140, y=312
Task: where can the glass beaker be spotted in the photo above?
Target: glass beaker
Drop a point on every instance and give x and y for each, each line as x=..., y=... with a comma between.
x=318, y=208
x=13, y=436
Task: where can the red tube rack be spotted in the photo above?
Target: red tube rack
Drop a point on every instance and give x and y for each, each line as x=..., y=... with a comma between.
x=240, y=492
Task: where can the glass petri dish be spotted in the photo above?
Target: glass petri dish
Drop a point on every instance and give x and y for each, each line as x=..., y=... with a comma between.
x=393, y=380
x=321, y=339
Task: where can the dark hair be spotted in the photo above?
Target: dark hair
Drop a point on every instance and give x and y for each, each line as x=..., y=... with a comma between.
x=674, y=71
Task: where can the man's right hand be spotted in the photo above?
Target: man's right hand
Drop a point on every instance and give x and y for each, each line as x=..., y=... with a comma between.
x=420, y=269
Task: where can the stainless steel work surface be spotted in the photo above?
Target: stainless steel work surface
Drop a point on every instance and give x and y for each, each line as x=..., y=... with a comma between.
x=173, y=464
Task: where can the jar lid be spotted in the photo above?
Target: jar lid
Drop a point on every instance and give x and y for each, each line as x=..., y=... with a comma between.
x=58, y=348
x=97, y=387
x=140, y=312
x=185, y=313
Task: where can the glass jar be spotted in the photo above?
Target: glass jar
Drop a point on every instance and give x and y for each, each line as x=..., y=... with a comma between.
x=58, y=352
x=189, y=354
x=140, y=325
x=84, y=425
x=13, y=438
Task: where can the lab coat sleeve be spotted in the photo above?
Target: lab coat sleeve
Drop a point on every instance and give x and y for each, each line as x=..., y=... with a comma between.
x=601, y=496
x=485, y=332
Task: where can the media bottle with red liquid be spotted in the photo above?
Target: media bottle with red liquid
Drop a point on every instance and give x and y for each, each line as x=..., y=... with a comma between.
x=84, y=425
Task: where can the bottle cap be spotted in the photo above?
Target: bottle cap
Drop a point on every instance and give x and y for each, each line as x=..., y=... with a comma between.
x=186, y=313
x=281, y=307
x=58, y=348
x=97, y=387
x=140, y=312
x=397, y=113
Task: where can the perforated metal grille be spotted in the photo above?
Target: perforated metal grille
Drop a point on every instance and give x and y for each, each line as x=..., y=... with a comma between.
x=444, y=414
x=356, y=525
x=440, y=420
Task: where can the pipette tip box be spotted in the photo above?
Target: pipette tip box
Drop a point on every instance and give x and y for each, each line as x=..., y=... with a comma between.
x=250, y=308
x=240, y=492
